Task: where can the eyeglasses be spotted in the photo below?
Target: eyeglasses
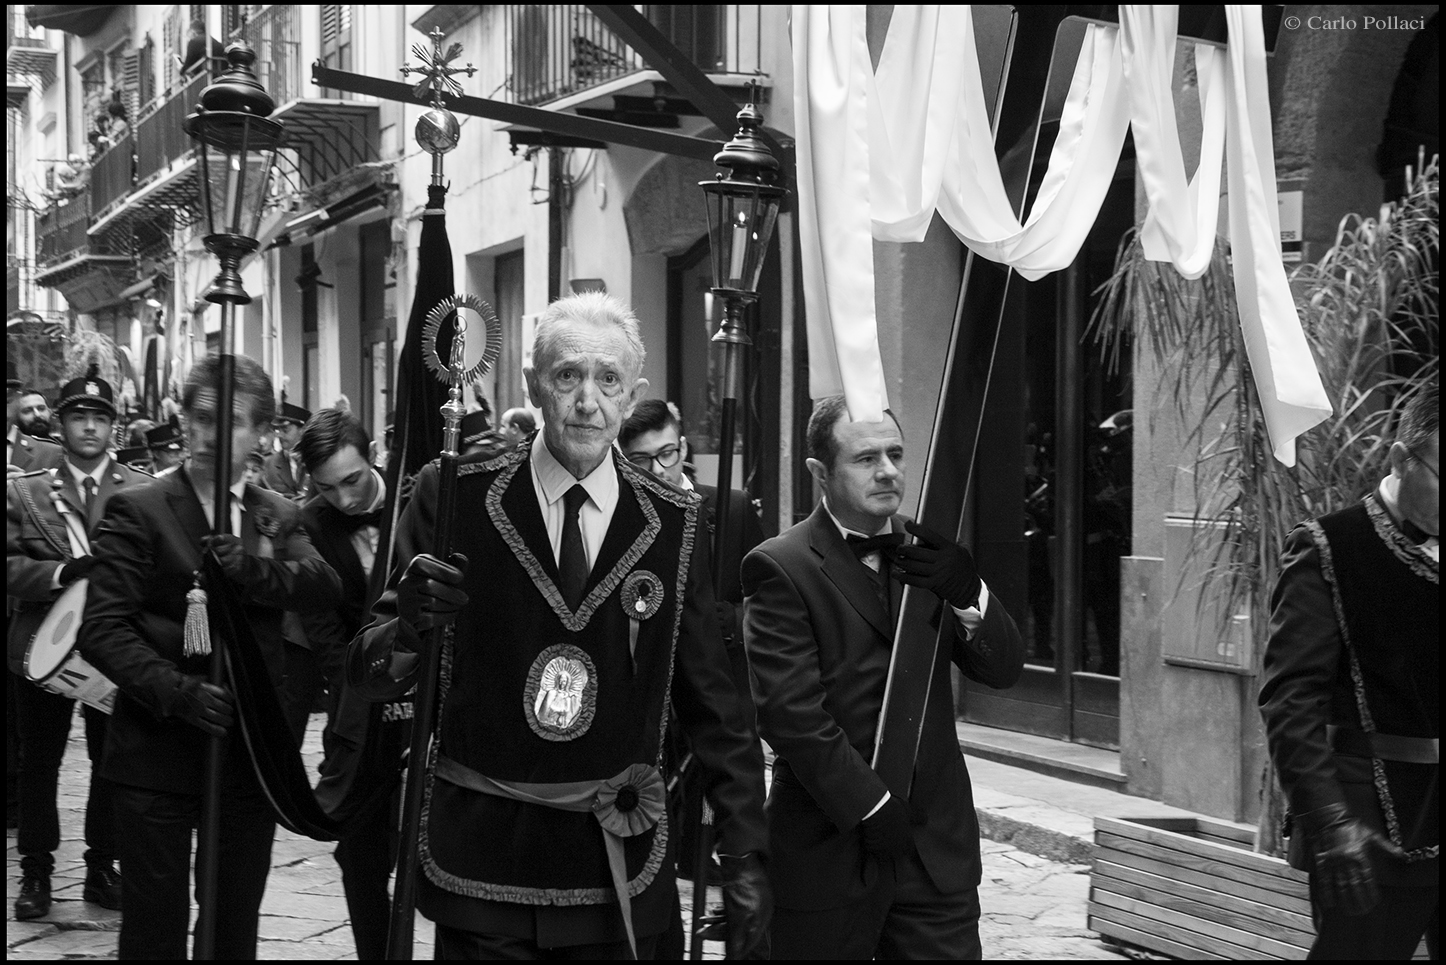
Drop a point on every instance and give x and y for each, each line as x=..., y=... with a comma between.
x=667, y=457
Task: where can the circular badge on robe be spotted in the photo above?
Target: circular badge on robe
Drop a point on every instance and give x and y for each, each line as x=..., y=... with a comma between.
x=641, y=594
x=561, y=694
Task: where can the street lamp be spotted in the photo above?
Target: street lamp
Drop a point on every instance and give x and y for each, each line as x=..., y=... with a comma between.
x=742, y=204
x=237, y=141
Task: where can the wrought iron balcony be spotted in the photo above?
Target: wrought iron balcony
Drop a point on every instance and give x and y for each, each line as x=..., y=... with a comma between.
x=556, y=50
x=60, y=231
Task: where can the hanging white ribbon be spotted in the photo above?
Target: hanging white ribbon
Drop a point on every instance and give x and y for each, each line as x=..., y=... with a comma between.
x=879, y=153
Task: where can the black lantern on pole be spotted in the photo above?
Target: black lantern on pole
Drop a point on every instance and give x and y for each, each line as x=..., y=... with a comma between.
x=742, y=204
x=236, y=141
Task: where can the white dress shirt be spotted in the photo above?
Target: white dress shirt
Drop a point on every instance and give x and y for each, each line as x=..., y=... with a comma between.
x=208, y=505
x=550, y=481
x=365, y=539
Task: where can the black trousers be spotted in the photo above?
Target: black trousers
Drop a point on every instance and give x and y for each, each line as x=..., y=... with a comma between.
x=43, y=720
x=366, y=859
x=156, y=858
x=1391, y=930
x=902, y=917
x=459, y=944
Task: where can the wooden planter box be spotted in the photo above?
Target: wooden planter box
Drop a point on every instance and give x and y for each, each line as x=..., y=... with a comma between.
x=1192, y=888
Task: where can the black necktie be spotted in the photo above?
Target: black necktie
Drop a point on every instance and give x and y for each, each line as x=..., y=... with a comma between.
x=884, y=543
x=89, y=500
x=572, y=561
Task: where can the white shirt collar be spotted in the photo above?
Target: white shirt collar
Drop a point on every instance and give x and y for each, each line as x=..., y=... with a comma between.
x=885, y=526
x=601, y=484
x=686, y=484
x=381, y=492
x=80, y=476
x=1387, y=493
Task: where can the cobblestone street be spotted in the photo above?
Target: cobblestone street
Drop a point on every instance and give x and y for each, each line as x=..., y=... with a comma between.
x=1034, y=908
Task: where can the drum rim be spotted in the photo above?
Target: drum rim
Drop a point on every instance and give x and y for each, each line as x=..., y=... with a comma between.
x=78, y=588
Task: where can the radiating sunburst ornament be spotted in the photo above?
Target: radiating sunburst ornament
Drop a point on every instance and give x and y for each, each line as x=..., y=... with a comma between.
x=432, y=330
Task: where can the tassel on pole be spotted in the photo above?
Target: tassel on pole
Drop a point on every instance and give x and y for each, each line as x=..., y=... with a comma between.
x=198, y=626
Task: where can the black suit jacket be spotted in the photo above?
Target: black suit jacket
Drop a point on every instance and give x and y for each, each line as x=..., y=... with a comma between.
x=331, y=533
x=276, y=471
x=819, y=640
x=147, y=550
x=37, y=541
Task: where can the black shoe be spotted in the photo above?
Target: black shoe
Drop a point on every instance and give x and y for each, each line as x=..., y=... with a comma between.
x=34, y=898
x=103, y=886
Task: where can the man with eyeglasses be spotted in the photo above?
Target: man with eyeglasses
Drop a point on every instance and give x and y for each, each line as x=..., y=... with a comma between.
x=652, y=439
x=1351, y=702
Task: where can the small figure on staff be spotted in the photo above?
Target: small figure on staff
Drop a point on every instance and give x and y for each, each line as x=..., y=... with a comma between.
x=572, y=565
x=1351, y=703
x=139, y=629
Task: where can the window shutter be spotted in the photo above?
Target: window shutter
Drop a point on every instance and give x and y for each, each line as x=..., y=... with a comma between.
x=131, y=85
x=171, y=45
x=147, y=91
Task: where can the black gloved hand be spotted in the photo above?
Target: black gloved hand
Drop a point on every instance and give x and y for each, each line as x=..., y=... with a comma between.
x=888, y=832
x=727, y=616
x=747, y=904
x=205, y=706
x=430, y=591
x=76, y=569
x=1341, y=846
x=938, y=565
x=231, y=554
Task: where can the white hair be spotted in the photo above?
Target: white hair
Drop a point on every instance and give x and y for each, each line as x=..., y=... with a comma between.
x=593, y=308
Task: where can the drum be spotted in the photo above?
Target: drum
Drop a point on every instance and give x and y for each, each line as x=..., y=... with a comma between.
x=52, y=661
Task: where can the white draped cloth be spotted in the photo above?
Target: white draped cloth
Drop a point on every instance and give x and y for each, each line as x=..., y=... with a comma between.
x=880, y=151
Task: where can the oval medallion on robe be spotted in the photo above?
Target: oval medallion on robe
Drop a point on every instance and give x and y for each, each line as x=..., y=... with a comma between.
x=561, y=694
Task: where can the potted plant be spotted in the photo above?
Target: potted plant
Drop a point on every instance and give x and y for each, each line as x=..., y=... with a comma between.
x=1370, y=312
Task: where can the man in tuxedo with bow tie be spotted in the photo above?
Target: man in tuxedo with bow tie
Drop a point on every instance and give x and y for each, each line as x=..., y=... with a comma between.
x=51, y=517
x=344, y=520
x=857, y=872
x=1351, y=701
x=147, y=554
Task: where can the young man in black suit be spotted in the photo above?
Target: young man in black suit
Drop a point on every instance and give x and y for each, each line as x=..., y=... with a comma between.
x=147, y=554
x=1351, y=702
x=51, y=516
x=857, y=872
x=344, y=520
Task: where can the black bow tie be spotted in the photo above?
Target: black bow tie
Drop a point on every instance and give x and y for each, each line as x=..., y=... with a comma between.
x=884, y=543
x=356, y=522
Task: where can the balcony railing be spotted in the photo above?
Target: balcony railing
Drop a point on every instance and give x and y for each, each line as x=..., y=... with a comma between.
x=559, y=49
x=113, y=174
x=275, y=35
x=161, y=134
x=60, y=232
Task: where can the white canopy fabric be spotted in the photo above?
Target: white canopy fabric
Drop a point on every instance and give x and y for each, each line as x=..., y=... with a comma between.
x=880, y=152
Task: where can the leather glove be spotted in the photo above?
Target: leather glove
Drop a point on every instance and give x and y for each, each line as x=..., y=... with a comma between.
x=747, y=904
x=231, y=554
x=205, y=706
x=430, y=591
x=939, y=565
x=76, y=569
x=1341, y=846
x=888, y=832
x=727, y=616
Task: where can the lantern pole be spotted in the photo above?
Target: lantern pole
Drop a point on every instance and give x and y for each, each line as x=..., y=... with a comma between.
x=233, y=116
x=751, y=172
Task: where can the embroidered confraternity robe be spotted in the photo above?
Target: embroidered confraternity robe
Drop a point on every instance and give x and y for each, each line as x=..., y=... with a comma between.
x=534, y=694
x=1355, y=646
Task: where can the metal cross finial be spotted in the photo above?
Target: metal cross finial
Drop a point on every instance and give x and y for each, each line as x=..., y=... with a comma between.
x=437, y=72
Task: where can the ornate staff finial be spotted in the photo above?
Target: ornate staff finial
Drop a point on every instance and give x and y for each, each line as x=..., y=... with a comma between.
x=437, y=130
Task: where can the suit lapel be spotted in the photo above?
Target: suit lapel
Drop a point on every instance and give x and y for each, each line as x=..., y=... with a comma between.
x=109, y=481
x=341, y=549
x=185, y=507
x=520, y=509
x=846, y=573
x=250, y=538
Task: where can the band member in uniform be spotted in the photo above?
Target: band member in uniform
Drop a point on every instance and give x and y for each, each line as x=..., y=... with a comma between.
x=46, y=552
x=1351, y=708
x=344, y=520
x=136, y=457
x=546, y=831
x=284, y=472
x=22, y=452
x=859, y=873
x=167, y=444
x=147, y=553
x=479, y=439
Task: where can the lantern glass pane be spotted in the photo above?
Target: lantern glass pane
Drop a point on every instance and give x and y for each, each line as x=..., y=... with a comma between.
x=237, y=153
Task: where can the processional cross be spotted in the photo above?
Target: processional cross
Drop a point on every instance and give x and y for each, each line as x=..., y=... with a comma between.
x=437, y=129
